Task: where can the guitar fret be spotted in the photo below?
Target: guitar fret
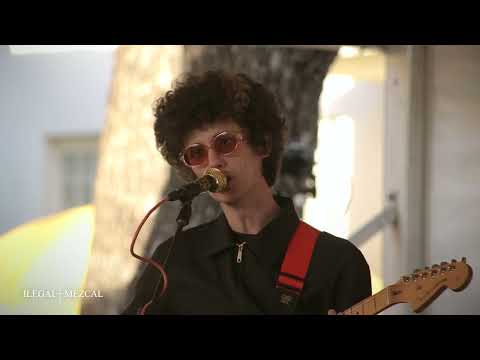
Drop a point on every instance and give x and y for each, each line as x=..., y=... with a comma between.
x=371, y=305
x=383, y=300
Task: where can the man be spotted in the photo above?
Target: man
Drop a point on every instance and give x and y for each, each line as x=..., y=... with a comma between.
x=231, y=265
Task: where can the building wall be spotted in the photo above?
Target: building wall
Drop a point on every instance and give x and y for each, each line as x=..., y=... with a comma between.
x=453, y=167
x=44, y=96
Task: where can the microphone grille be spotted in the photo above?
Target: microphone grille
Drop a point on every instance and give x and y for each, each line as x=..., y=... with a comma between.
x=220, y=179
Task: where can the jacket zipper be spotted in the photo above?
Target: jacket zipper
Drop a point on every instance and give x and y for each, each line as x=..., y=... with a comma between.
x=240, y=251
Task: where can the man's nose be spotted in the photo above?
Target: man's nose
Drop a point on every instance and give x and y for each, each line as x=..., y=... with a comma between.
x=215, y=160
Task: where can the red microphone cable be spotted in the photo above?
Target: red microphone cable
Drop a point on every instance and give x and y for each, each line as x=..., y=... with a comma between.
x=149, y=260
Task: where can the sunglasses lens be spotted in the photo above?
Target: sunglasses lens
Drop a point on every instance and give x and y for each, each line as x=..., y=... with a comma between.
x=195, y=155
x=225, y=143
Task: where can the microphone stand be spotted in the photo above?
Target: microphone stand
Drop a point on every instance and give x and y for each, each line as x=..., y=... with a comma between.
x=184, y=215
x=213, y=180
x=182, y=220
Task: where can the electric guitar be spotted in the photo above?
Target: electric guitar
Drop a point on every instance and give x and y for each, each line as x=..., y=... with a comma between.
x=419, y=289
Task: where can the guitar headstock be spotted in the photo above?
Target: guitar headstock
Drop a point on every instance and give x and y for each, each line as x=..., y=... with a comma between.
x=421, y=287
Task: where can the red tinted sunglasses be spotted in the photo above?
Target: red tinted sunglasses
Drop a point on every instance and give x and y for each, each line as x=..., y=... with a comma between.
x=224, y=144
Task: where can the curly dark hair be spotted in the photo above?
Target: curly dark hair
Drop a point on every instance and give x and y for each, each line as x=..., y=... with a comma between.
x=197, y=101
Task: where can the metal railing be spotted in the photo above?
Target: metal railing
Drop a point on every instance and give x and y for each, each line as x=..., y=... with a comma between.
x=386, y=217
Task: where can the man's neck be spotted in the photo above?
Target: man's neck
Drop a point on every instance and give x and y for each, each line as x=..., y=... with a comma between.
x=254, y=212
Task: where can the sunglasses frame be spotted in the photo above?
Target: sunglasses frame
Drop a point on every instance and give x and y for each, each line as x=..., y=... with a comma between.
x=238, y=135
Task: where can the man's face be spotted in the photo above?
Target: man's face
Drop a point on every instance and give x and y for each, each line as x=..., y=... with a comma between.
x=243, y=167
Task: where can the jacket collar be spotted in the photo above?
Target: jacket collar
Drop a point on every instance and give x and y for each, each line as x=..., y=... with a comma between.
x=270, y=243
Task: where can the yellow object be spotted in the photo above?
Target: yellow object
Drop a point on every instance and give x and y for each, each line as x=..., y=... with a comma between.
x=377, y=284
x=44, y=261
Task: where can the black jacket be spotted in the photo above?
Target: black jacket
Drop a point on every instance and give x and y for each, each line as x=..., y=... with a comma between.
x=205, y=278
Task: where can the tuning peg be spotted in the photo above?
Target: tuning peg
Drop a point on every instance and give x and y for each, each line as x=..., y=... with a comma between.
x=464, y=260
x=443, y=263
x=424, y=275
x=435, y=266
x=406, y=278
x=415, y=277
x=416, y=270
x=434, y=272
x=427, y=268
x=454, y=261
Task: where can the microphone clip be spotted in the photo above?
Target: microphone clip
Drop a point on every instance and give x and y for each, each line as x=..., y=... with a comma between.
x=185, y=213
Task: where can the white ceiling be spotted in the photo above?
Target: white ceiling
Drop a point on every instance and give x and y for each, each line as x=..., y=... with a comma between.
x=51, y=49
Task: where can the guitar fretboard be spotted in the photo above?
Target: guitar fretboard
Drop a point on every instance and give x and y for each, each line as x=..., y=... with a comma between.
x=371, y=305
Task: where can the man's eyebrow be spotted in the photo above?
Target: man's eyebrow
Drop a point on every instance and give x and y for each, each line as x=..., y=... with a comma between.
x=212, y=136
x=215, y=134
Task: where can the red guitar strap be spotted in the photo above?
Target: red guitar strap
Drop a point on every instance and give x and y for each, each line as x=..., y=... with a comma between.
x=295, y=265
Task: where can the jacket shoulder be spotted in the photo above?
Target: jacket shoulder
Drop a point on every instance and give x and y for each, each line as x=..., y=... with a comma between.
x=341, y=249
x=186, y=238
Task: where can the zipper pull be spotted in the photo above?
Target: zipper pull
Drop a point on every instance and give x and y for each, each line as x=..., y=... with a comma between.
x=240, y=252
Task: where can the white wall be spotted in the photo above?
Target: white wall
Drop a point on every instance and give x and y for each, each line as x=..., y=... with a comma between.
x=44, y=95
x=349, y=156
x=432, y=151
x=453, y=167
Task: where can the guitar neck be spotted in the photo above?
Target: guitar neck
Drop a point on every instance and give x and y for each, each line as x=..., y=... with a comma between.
x=373, y=304
x=418, y=289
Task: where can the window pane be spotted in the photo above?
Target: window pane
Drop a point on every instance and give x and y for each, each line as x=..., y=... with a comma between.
x=78, y=169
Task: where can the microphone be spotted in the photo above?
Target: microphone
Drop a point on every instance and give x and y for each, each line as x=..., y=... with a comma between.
x=213, y=180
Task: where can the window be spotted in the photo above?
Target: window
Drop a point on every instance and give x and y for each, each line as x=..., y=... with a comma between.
x=72, y=171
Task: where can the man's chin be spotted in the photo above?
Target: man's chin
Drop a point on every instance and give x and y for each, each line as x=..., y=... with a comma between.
x=228, y=197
